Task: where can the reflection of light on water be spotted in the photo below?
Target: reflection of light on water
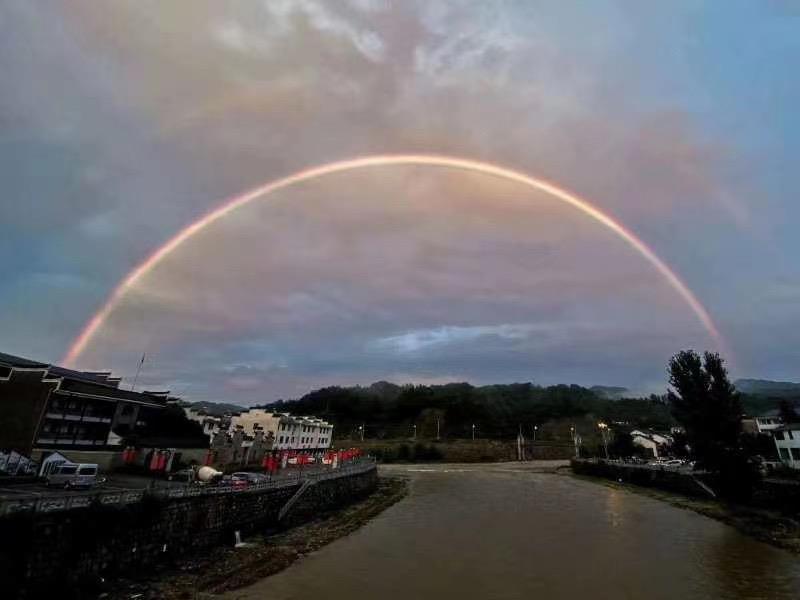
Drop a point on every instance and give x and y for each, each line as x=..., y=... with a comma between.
x=614, y=507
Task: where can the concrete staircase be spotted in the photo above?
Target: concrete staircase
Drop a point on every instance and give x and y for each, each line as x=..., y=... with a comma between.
x=293, y=500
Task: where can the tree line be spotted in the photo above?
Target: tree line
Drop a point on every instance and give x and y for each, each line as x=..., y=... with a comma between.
x=387, y=410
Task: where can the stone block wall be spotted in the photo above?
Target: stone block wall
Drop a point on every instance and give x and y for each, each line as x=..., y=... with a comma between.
x=666, y=479
x=69, y=550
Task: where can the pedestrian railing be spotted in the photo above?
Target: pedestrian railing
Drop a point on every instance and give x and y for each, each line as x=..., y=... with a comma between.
x=49, y=502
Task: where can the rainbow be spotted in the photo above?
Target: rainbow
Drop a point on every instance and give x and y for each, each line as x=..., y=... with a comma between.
x=430, y=160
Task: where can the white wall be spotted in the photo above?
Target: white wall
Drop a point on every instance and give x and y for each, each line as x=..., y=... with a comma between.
x=789, y=446
x=291, y=433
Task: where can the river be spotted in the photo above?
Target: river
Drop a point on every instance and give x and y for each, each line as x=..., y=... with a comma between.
x=504, y=532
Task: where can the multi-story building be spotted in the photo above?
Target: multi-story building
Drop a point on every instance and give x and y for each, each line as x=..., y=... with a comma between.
x=290, y=432
x=756, y=425
x=238, y=447
x=46, y=408
x=787, y=442
x=211, y=424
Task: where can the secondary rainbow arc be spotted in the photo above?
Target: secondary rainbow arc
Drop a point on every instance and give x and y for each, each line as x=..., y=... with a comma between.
x=431, y=160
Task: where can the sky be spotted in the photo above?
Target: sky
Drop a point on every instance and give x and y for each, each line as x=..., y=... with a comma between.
x=122, y=123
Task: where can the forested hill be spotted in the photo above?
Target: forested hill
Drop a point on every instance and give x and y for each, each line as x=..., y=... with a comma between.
x=390, y=410
x=773, y=389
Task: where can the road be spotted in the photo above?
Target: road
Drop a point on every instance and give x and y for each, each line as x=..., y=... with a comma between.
x=125, y=482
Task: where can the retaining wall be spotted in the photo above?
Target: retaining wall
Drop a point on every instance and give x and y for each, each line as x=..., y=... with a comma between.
x=658, y=477
x=71, y=550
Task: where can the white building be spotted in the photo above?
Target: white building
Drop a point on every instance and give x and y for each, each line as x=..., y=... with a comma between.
x=653, y=442
x=291, y=432
x=787, y=442
x=211, y=424
x=756, y=425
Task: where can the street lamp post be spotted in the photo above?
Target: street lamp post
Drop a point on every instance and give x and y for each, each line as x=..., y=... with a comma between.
x=473, y=432
x=535, y=429
x=361, y=430
x=574, y=440
x=603, y=432
x=415, y=432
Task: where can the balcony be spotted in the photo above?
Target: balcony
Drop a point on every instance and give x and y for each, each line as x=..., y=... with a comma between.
x=89, y=418
x=69, y=415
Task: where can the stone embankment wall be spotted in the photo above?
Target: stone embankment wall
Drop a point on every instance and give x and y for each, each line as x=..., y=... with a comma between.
x=658, y=477
x=44, y=552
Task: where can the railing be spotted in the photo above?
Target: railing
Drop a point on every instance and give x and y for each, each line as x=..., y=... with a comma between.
x=52, y=502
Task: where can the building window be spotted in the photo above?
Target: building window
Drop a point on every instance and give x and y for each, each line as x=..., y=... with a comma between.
x=795, y=453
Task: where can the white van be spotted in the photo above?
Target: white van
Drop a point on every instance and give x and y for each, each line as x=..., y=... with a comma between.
x=74, y=475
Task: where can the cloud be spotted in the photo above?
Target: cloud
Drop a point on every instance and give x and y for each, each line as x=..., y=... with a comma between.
x=429, y=339
x=128, y=121
x=280, y=20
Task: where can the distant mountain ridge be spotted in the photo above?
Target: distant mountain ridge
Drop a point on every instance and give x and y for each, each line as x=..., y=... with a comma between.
x=217, y=409
x=765, y=387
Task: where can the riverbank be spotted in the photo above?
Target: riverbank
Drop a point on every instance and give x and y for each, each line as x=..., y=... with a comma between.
x=507, y=531
x=224, y=569
x=769, y=526
x=404, y=451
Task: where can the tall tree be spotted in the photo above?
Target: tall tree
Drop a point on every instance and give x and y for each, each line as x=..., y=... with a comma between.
x=707, y=405
x=788, y=412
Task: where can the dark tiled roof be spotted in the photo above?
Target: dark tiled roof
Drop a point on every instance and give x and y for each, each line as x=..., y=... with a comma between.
x=101, y=377
x=23, y=363
x=95, y=378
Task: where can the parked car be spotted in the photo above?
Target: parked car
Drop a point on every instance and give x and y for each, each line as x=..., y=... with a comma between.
x=184, y=475
x=245, y=479
x=75, y=475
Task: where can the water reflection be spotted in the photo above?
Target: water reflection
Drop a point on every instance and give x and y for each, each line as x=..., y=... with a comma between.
x=503, y=533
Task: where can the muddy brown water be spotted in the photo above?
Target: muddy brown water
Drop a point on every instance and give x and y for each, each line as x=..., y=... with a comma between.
x=504, y=532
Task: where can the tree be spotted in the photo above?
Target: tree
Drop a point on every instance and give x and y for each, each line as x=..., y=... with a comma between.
x=622, y=446
x=680, y=445
x=706, y=404
x=788, y=412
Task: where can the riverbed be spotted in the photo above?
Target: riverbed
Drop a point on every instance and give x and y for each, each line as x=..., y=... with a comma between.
x=508, y=532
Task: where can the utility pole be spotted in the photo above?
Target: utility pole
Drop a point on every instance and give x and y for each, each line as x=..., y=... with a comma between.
x=138, y=370
x=437, y=428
